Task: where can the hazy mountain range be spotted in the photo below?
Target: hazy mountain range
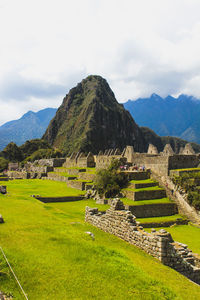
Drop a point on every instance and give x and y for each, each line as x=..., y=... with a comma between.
x=168, y=116
x=30, y=126
x=79, y=119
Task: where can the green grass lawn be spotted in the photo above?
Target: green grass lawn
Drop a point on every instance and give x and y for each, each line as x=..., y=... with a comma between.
x=54, y=258
x=159, y=219
x=187, y=234
x=188, y=169
x=43, y=188
x=128, y=201
x=64, y=174
x=152, y=188
x=143, y=181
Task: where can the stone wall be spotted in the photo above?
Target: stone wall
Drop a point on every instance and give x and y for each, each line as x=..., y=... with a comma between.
x=145, y=194
x=79, y=185
x=183, y=161
x=162, y=164
x=157, y=163
x=51, y=162
x=153, y=210
x=59, y=199
x=121, y=223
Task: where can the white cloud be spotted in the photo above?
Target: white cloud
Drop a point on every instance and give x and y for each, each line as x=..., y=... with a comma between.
x=139, y=46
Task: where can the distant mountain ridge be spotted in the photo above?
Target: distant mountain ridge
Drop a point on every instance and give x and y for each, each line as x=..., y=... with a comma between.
x=168, y=116
x=31, y=125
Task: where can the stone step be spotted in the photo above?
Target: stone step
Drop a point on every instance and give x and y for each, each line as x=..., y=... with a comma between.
x=57, y=177
x=145, y=194
x=77, y=184
x=153, y=210
x=63, y=170
x=142, y=185
x=86, y=176
x=75, y=171
x=137, y=175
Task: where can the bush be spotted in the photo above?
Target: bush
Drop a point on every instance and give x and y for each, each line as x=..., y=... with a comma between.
x=109, y=181
x=3, y=164
x=29, y=147
x=187, y=182
x=12, y=153
x=43, y=153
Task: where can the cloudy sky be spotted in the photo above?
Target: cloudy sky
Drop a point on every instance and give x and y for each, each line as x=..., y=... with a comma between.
x=140, y=46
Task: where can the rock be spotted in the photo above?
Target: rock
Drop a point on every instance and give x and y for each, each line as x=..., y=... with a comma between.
x=1, y=219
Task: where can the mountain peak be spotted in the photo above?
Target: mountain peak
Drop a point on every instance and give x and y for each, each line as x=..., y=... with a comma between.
x=155, y=97
x=91, y=119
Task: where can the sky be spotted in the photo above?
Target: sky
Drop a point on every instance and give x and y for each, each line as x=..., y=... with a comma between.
x=139, y=46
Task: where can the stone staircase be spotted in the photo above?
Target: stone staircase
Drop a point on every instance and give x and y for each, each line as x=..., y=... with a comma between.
x=149, y=202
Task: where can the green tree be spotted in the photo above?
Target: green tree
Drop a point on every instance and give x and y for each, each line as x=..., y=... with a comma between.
x=109, y=181
x=12, y=153
x=3, y=164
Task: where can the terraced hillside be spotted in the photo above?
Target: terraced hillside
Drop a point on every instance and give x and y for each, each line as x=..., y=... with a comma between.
x=143, y=196
x=149, y=202
x=54, y=258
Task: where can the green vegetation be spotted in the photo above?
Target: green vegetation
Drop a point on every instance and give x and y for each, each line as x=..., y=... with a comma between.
x=152, y=188
x=43, y=153
x=186, y=234
x=54, y=258
x=29, y=151
x=188, y=169
x=12, y=153
x=128, y=201
x=3, y=164
x=29, y=147
x=109, y=181
x=190, y=183
x=160, y=219
x=142, y=181
x=64, y=174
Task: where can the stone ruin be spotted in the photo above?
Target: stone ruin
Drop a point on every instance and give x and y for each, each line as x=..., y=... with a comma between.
x=120, y=222
x=168, y=150
x=159, y=163
x=152, y=149
x=3, y=189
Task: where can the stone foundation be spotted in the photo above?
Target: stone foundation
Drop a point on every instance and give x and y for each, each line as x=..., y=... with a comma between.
x=121, y=223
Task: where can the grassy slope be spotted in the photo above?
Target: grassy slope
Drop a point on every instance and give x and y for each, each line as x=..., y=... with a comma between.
x=128, y=201
x=54, y=259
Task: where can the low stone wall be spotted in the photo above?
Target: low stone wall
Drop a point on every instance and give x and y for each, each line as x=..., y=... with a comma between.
x=75, y=171
x=59, y=199
x=153, y=210
x=57, y=177
x=145, y=195
x=137, y=175
x=17, y=174
x=142, y=185
x=164, y=223
x=79, y=185
x=86, y=176
x=51, y=162
x=121, y=223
